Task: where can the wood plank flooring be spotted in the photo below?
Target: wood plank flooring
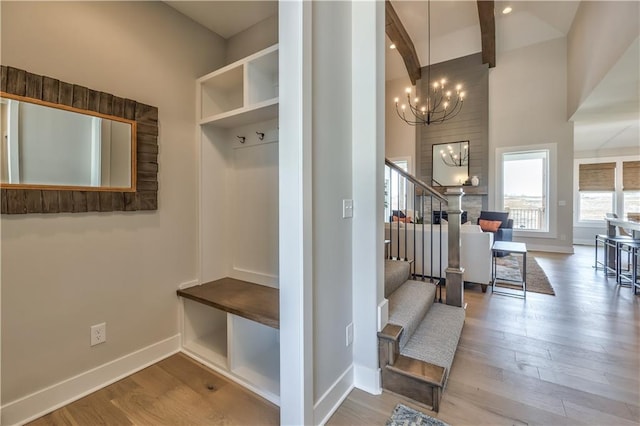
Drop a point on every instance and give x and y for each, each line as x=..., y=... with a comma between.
x=573, y=358
x=567, y=359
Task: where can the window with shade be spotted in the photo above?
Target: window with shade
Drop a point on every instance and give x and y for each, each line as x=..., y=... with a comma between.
x=607, y=186
x=631, y=186
x=597, y=188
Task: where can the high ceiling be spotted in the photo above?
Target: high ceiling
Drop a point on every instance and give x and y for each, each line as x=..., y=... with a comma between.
x=608, y=118
x=226, y=18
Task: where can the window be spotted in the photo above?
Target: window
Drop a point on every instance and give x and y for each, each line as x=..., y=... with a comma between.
x=596, y=190
x=606, y=185
x=395, y=188
x=525, y=189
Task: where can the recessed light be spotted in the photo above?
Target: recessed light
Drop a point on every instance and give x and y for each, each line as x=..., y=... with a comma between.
x=392, y=46
x=507, y=10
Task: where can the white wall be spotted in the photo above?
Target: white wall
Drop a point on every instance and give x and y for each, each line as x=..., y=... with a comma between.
x=400, y=138
x=253, y=39
x=600, y=34
x=527, y=106
x=62, y=273
x=331, y=184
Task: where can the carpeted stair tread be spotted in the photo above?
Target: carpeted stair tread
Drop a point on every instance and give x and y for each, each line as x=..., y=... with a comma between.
x=408, y=306
x=396, y=272
x=436, y=338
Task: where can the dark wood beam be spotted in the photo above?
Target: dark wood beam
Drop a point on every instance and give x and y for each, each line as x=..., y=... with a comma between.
x=399, y=36
x=487, y=31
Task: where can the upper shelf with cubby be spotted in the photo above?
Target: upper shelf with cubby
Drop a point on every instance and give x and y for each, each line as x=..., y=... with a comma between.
x=240, y=93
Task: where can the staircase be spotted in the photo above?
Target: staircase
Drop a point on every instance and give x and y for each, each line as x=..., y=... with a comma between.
x=417, y=346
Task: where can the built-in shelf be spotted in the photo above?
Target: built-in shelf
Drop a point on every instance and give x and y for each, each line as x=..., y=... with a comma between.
x=232, y=325
x=240, y=93
x=263, y=111
x=252, y=301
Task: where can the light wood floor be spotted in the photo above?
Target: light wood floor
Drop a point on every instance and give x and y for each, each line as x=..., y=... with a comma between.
x=572, y=358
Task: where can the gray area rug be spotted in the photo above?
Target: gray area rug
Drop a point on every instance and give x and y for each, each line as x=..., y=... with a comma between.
x=509, y=267
x=405, y=416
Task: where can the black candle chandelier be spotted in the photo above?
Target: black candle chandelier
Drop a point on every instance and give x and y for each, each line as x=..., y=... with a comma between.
x=441, y=102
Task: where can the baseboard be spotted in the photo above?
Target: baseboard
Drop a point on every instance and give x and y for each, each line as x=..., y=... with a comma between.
x=254, y=277
x=583, y=242
x=367, y=379
x=188, y=284
x=383, y=314
x=550, y=249
x=44, y=401
x=329, y=402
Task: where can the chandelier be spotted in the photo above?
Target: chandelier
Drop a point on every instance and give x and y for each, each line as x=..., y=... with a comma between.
x=453, y=159
x=441, y=103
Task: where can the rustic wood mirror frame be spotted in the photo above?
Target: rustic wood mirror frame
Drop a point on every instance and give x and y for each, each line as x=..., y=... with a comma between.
x=20, y=201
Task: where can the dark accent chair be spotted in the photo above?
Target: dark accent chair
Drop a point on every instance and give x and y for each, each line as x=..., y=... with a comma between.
x=505, y=232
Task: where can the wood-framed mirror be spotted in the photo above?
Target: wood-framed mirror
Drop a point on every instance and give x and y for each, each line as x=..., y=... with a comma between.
x=127, y=184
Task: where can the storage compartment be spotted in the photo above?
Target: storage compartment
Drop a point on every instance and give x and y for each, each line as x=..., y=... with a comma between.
x=222, y=91
x=262, y=78
x=205, y=332
x=255, y=353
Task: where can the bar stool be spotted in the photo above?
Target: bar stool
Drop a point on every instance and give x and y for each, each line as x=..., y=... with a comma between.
x=609, y=243
x=632, y=248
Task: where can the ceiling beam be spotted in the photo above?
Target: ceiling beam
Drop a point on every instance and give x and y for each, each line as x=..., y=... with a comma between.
x=487, y=31
x=399, y=36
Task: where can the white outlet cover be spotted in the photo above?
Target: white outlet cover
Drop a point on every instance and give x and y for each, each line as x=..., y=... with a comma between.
x=98, y=334
x=347, y=208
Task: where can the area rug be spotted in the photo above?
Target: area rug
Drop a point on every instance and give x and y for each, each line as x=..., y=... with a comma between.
x=510, y=267
x=406, y=416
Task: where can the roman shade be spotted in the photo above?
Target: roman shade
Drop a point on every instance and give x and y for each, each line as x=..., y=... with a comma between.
x=597, y=177
x=631, y=176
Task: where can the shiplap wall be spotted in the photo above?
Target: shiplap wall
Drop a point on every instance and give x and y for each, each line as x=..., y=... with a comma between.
x=470, y=124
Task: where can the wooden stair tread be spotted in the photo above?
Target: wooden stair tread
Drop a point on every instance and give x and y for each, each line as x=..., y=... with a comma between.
x=419, y=370
x=252, y=301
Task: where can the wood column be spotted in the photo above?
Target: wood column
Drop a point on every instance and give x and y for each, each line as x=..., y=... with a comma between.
x=455, y=282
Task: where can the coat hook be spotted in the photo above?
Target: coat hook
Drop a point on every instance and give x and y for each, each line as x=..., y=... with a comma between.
x=242, y=138
x=260, y=135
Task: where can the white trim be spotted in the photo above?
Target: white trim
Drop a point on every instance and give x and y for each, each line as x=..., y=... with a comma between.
x=254, y=277
x=367, y=379
x=188, y=284
x=60, y=394
x=295, y=178
x=383, y=314
x=334, y=396
x=271, y=397
x=549, y=248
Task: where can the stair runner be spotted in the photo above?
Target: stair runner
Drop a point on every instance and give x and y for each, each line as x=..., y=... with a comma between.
x=430, y=331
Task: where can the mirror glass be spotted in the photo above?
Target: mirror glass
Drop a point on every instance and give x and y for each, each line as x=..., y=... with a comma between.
x=47, y=145
x=451, y=163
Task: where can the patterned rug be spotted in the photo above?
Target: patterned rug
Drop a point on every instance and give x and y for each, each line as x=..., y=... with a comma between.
x=510, y=267
x=405, y=416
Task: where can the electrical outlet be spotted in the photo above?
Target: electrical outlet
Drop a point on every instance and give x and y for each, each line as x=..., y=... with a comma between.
x=98, y=333
x=349, y=333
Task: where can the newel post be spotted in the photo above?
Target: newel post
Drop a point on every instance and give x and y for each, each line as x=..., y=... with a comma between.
x=455, y=283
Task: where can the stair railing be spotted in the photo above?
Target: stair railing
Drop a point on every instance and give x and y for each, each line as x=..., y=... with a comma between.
x=405, y=219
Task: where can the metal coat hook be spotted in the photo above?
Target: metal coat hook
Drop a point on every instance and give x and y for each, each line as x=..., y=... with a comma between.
x=260, y=135
x=241, y=138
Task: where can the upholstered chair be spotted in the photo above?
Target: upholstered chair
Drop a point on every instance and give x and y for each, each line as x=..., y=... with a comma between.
x=501, y=232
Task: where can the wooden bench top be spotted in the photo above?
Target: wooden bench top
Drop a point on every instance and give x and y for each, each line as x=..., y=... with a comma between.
x=252, y=301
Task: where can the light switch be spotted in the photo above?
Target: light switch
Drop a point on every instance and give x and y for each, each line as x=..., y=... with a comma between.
x=347, y=208
x=562, y=203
